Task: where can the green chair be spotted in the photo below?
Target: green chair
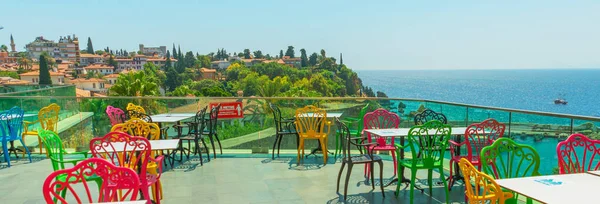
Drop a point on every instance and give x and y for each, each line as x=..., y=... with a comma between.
x=507, y=159
x=351, y=122
x=58, y=156
x=434, y=135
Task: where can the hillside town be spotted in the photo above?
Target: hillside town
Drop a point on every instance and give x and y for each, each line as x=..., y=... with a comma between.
x=93, y=72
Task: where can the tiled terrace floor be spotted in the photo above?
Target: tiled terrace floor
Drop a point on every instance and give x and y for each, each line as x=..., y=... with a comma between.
x=243, y=179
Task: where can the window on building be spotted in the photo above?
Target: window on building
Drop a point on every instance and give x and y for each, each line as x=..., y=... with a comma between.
x=93, y=85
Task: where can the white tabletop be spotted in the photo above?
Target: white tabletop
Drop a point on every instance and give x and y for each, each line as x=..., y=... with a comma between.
x=127, y=202
x=566, y=188
x=329, y=115
x=154, y=144
x=595, y=173
x=163, y=118
x=403, y=132
x=177, y=114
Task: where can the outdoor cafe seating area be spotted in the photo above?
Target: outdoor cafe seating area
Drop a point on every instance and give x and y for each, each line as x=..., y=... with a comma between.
x=430, y=162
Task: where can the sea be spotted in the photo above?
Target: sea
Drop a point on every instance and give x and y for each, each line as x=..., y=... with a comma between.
x=519, y=89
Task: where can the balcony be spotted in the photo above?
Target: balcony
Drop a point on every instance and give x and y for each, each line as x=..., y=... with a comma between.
x=245, y=171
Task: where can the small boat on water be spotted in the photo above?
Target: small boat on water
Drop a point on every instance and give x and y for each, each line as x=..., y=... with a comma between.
x=560, y=101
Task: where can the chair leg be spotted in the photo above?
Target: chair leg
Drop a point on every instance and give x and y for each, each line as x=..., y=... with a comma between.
x=445, y=184
x=337, y=145
x=212, y=143
x=324, y=150
x=274, y=144
x=207, y=149
x=381, y=177
x=395, y=162
x=348, y=173
x=219, y=141
x=372, y=175
x=337, y=190
x=6, y=153
x=430, y=180
x=450, y=178
x=413, y=177
x=279, y=145
x=199, y=151
x=300, y=146
x=26, y=150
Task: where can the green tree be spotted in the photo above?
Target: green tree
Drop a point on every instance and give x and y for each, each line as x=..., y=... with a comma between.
x=303, y=58
x=313, y=59
x=203, y=61
x=183, y=90
x=247, y=54
x=290, y=52
x=113, y=63
x=168, y=63
x=323, y=53
x=98, y=52
x=172, y=80
x=44, y=70
x=90, y=47
x=341, y=59
x=327, y=64
x=189, y=59
x=10, y=74
x=134, y=84
x=207, y=87
x=268, y=57
x=3, y=48
x=258, y=54
x=280, y=53
x=174, y=51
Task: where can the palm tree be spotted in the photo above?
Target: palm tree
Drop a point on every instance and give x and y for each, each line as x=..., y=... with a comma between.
x=134, y=84
x=3, y=48
x=24, y=63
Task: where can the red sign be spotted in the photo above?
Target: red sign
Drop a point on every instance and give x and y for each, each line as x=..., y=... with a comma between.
x=230, y=109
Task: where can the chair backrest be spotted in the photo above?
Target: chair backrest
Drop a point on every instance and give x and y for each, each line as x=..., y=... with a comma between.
x=310, y=121
x=346, y=139
x=54, y=147
x=48, y=117
x=213, y=119
x=123, y=150
x=480, y=187
x=507, y=159
x=361, y=116
x=380, y=119
x=200, y=121
x=11, y=124
x=480, y=135
x=578, y=154
x=115, y=115
x=136, y=108
x=429, y=115
x=138, y=127
x=139, y=115
x=277, y=118
x=119, y=183
x=435, y=136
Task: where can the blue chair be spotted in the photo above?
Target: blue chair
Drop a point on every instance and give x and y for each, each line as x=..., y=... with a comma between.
x=11, y=127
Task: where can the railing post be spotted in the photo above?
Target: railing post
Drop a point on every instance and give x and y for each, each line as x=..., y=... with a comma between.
x=571, y=125
x=467, y=117
x=509, y=123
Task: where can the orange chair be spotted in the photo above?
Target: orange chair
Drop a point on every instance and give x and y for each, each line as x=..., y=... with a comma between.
x=151, y=131
x=48, y=119
x=136, y=108
x=310, y=124
x=480, y=187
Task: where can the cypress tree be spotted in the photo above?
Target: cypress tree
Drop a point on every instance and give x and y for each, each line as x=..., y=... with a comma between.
x=167, y=62
x=341, y=59
x=174, y=51
x=303, y=58
x=280, y=53
x=90, y=47
x=44, y=71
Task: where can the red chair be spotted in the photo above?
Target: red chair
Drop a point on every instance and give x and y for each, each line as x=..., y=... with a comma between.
x=133, y=152
x=381, y=119
x=116, y=115
x=477, y=136
x=115, y=179
x=578, y=154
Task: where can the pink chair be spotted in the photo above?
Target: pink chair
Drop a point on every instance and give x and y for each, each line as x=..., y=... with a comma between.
x=381, y=119
x=116, y=115
x=578, y=154
x=477, y=136
x=119, y=183
x=133, y=152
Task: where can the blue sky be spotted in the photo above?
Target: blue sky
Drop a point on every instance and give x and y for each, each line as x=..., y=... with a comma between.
x=385, y=34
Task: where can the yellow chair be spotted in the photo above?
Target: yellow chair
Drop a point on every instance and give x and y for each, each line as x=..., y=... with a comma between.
x=136, y=108
x=151, y=131
x=481, y=187
x=48, y=119
x=310, y=124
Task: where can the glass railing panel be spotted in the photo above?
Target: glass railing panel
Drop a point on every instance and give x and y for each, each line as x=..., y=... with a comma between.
x=455, y=114
x=588, y=128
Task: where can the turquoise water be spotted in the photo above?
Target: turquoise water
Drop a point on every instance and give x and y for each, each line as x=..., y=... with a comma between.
x=520, y=89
